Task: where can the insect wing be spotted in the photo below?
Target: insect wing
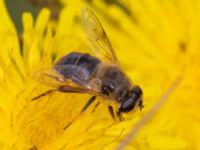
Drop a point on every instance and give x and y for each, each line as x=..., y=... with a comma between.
x=54, y=79
x=79, y=76
x=50, y=78
x=97, y=37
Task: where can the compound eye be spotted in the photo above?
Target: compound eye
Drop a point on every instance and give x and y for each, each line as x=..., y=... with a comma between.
x=127, y=105
x=136, y=89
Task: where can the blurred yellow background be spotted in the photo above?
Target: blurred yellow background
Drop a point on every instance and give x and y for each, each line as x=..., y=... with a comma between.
x=157, y=42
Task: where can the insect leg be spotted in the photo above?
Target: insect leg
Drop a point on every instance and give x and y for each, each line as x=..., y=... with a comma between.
x=66, y=89
x=119, y=115
x=141, y=106
x=90, y=101
x=95, y=106
x=44, y=94
x=111, y=111
x=67, y=125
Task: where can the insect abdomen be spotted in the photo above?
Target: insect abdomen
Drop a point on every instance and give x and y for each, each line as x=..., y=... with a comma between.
x=79, y=65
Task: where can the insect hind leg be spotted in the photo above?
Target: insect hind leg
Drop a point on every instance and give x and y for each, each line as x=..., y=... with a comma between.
x=44, y=94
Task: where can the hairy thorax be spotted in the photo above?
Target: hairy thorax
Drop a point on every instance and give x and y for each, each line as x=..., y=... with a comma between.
x=115, y=81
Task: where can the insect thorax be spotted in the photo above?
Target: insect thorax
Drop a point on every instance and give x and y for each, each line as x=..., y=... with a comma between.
x=116, y=82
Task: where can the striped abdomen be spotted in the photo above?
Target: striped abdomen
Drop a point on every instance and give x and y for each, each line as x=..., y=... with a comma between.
x=79, y=67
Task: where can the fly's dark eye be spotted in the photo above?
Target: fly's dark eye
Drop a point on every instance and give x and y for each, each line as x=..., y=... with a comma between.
x=136, y=89
x=127, y=105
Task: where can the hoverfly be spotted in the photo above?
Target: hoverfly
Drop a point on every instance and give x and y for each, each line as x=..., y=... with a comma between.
x=99, y=75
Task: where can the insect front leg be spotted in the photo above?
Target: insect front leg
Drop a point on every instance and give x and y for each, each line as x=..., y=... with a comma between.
x=119, y=115
x=112, y=113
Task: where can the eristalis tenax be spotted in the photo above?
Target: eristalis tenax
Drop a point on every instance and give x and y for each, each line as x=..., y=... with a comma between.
x=99, y=74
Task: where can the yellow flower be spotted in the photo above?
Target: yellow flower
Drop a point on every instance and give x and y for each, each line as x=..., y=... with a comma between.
x=156, y=43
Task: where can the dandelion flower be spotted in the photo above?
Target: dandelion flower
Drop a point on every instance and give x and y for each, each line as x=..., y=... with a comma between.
x=156, y=42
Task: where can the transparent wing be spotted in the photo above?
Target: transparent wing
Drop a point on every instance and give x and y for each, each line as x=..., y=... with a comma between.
x=49, y=77
x=97, y=37
x=80, y=76
x=60, y=83
x=76, y=82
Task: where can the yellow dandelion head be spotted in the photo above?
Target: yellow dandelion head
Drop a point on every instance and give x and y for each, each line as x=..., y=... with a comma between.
x=157, y=45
